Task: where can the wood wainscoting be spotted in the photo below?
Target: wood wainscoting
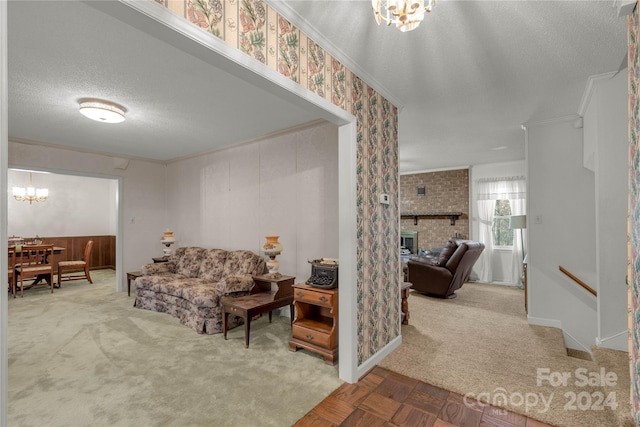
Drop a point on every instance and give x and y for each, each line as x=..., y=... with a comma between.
x=103, y=253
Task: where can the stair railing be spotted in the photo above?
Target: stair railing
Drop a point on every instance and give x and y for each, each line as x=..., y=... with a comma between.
x=578, y=281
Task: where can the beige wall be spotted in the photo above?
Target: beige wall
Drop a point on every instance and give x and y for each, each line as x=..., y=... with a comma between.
x=287, y=184
x=446, y=191
x=143, y=193
x=87, y=205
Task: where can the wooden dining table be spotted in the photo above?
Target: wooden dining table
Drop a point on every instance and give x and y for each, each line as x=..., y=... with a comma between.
x=56, y=251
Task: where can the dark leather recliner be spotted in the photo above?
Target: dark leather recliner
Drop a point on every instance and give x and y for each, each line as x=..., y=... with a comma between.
x=443, y=274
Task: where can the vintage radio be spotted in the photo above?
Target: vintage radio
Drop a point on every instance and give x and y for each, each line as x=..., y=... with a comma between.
x=324, y=273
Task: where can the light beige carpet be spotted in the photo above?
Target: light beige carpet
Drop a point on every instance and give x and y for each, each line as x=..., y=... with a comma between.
x=481, y=345
x=85, y=356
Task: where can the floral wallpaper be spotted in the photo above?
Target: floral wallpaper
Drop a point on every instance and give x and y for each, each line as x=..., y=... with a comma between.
x=252, y=37
x=288, y=50
x=634, y=214
x=207, y=14
x=257, y=30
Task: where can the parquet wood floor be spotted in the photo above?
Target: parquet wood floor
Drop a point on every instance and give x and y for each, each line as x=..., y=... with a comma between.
x=385, y=398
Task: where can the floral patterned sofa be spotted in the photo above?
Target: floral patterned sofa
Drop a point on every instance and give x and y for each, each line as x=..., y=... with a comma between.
x=191, y=284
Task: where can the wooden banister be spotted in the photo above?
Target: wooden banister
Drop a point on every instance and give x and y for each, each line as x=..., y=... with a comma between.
x=578, y=281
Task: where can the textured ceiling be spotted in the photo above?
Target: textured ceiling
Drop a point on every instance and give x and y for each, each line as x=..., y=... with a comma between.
x=465, y=80
x=473, y=71
x=178, y=103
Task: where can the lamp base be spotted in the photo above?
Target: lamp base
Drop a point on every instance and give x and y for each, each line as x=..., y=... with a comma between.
x=273, y=264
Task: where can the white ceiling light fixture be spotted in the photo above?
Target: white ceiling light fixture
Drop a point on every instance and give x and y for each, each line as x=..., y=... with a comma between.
x=102, y=111
x=405, y=14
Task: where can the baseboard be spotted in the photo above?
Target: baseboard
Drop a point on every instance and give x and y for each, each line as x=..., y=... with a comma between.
x=552, y=323
x=569, y=340
x=619, y=341
x=378, y=357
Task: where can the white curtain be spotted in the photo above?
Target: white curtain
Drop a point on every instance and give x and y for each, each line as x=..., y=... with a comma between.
x=487, y=192
x=518, y=201
x=486, y=210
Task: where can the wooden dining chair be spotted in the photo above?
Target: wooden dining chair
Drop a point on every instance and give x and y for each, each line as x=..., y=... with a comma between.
x=10, y=268
x=76, y=266
x=33, y=262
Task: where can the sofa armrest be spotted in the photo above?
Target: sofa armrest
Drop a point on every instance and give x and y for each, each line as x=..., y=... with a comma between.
x=425, y=259
x=157, y=268
x=235, y=283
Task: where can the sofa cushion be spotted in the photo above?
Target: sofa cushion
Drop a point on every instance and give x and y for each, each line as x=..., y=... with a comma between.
x=448, y=250
x=457, y=256
x=235, y=283
x=212, y=264
x=189, y=263
x=200, y=293
x=164, y=283
x=175, y=257
x=243, y=262
x=157, y=268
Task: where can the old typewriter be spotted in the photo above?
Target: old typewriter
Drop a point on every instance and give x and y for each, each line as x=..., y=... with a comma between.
x=324, y=273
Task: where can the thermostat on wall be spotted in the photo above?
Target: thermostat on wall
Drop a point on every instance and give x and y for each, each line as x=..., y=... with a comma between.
x=384, y=199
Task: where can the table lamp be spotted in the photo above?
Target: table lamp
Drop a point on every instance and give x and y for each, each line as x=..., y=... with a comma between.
x=272, y=248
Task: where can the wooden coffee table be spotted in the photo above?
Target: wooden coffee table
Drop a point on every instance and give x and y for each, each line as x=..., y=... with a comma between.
x=250, y=306
x=263, y=299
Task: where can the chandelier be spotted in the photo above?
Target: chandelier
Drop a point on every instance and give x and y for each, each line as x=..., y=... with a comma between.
x=405, y=14
x=30, y=194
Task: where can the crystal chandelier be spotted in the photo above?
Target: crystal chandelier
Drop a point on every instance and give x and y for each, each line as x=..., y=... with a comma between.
x=30, y=194
x=405, y=14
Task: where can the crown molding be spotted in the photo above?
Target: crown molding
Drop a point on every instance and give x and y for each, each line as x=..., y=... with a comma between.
x=274, y=134
x=82, y=150
x=445, y=169
x=625, y=7
x=308, y=28
x=550, y=121
x=584, y=102
x=590, y=87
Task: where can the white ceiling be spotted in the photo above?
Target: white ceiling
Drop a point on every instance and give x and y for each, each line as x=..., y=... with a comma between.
x=474, y=71
x=178, y=103
x=465, y=80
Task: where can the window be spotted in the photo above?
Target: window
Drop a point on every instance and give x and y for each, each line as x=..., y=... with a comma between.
x=502, y=234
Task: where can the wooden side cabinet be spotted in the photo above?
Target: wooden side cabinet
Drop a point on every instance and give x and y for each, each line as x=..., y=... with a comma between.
x=315, y=327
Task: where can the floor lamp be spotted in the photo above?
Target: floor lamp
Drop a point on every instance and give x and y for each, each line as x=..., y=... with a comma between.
x=519, y=222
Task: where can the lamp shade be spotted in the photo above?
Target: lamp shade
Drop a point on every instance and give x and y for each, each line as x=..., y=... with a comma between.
x=272, y=246
x=517, y=222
